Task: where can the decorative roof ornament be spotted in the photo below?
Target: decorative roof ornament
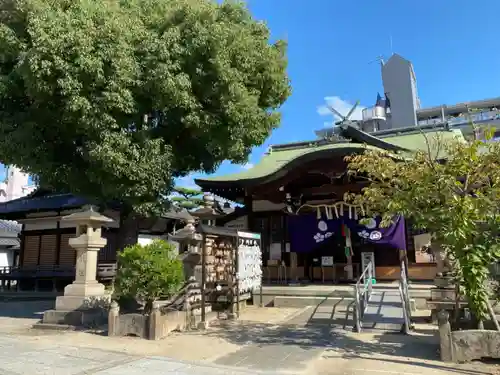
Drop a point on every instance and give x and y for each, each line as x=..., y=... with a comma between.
x=335, y=136
x=344, y=120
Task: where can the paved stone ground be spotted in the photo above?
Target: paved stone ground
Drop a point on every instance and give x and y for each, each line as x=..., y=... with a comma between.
x=392, y=354
x=20, y=358
x=264, y=341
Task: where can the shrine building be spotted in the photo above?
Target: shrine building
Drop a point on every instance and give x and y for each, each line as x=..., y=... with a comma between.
x=46, y=261
x=294, y=198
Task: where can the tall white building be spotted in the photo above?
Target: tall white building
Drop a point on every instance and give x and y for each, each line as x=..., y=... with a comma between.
x=16, y=184
x=400, y=105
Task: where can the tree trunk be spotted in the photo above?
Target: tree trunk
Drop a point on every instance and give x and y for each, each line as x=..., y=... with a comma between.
x=128, y=232
x=148, y=306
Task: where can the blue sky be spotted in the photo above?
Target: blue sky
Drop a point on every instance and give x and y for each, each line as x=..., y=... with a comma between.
x=451, y=43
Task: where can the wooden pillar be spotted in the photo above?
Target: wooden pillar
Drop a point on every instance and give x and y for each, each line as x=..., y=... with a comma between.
x=293, y=268
x=350, y=268
x=248, y=202
x=58, y=243
x=21, y=248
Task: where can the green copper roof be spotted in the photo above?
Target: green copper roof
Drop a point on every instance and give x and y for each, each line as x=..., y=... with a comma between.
x=417, y=141
x=274, y=162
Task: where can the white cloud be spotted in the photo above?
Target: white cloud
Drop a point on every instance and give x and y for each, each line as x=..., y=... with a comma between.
x=341, y=106
x=247, y=166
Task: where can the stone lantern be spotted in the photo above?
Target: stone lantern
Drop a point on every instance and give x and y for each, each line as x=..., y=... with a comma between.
x=85, y=294
x=188, y=238
x=87, y=243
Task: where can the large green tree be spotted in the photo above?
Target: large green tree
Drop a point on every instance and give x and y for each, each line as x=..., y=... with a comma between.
x=451, y=189
x=114, y=99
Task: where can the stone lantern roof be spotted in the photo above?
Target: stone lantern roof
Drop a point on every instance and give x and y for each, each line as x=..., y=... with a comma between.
x=87, y=216
x=212, y=208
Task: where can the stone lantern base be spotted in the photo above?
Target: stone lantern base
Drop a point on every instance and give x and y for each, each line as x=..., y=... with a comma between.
x=81, y=296
x=82, y=305
x=443, y=297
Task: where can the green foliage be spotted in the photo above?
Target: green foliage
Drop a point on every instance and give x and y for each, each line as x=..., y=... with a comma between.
x=187, y=198
x=457, y=200
x=114, y=99
x=149, y=272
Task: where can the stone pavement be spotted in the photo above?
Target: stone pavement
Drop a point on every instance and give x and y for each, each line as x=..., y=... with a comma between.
x=20, y=358
x=265, y=341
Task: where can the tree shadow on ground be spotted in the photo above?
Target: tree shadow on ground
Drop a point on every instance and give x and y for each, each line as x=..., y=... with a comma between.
x=417, y=350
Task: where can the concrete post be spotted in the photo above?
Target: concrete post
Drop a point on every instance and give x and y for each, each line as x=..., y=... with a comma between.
x=155, y=323
x=113, y=319
x=445, y=336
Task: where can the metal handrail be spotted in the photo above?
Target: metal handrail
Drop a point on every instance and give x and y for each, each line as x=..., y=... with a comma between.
x=362, y=294
x=405, y=299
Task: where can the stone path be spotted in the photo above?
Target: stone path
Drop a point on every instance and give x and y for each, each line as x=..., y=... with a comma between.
x=20, y=358
x=273, y=358
x=269, y=347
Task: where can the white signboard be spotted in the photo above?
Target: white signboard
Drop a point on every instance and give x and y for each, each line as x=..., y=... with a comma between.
x=327, y=261
x=249, y=262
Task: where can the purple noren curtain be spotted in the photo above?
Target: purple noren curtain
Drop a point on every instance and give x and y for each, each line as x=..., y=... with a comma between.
x=307, y=231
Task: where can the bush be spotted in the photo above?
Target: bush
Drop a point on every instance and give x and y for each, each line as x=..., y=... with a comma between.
x=147, y=273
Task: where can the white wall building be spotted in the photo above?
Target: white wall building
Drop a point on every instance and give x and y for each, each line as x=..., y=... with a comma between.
x=16, y=185
x=9, y=244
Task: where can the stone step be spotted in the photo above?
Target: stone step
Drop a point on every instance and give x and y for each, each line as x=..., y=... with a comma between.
x=321, y=316
x=380, y=327
x=384, y=312
x=54, y=327
x=303, y=301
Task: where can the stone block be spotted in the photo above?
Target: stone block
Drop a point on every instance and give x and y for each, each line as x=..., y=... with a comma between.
x=92, y=288
x=155, y=326
x=75, y=318
x=443, y=294
x=469, y=345
x=466, y=345
x=69, y=302
x=444, y=282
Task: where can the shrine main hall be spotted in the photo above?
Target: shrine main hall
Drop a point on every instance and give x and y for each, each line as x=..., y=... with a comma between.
x=294, y=198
